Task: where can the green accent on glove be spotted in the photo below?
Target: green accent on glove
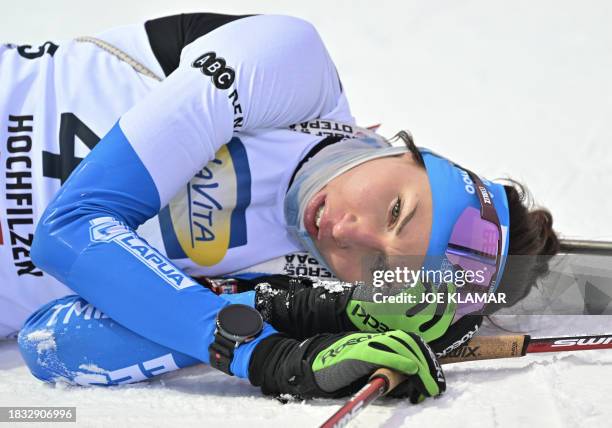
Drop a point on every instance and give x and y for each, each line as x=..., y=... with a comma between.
x=403, y=311
x=356, y=356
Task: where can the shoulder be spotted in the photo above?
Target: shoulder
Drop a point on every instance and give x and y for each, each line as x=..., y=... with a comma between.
x=263, y=36
x=170, y=35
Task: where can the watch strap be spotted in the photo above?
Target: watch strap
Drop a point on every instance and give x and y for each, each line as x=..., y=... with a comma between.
x=221, y=353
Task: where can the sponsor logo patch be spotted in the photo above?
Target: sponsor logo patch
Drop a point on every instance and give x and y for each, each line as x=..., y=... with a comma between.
x=19, y=213
x=107, y=229
x=303, y=264
x=208, y=217
x=215, y=67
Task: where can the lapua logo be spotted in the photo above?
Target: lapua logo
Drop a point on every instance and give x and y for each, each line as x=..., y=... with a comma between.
x=215, y=67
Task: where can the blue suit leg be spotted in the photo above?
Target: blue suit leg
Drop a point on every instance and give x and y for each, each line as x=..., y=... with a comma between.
x=72, y=341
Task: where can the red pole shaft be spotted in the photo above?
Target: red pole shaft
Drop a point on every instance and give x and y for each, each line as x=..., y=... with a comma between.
x=370, y=392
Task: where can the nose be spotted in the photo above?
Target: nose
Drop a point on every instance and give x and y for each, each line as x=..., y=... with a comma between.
x=352, y=231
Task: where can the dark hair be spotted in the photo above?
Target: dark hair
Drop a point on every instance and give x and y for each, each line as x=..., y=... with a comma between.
x=531, y=234
x=408, y=141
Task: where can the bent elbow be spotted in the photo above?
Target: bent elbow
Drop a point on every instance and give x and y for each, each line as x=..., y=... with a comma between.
x=53, y=249
x=45, y=244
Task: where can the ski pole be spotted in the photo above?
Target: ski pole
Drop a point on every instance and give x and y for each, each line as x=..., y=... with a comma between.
x=586, y=246
x=479, y=348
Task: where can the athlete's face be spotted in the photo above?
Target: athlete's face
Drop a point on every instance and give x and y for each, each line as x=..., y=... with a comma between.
x=377, y=210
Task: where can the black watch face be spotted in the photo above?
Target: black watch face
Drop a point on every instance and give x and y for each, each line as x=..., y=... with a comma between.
x=240, y=320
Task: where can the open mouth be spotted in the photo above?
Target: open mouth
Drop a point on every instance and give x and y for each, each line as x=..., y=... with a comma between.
x=314, y=214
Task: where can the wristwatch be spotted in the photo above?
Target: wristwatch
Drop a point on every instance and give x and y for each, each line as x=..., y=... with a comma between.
x=235, y=324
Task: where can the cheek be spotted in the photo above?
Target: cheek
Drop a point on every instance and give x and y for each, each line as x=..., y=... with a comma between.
x=347, y=264
x=357, y=191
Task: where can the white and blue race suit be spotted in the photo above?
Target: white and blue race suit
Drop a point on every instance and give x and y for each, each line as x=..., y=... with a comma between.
x=188, y=179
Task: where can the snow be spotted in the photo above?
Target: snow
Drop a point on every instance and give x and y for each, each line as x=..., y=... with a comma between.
x=519, y=89
x=562, y=389
x=331, y=286
x=43, y=339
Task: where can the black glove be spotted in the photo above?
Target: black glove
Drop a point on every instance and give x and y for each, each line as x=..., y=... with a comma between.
x=335, y=365
x=293, y=306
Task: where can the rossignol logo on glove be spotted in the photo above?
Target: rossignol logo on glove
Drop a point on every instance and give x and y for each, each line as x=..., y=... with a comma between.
x=215, y=67
x=334, y=352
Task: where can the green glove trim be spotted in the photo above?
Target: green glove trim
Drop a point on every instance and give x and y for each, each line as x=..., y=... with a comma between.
x=403, y=311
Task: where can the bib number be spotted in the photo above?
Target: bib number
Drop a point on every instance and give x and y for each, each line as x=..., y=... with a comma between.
x=61, y=165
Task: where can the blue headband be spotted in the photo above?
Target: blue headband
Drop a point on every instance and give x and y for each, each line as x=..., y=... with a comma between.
x=452, y=191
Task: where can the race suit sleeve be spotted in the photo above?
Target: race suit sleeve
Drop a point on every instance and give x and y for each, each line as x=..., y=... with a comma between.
x=258, y=72
x=69, y=340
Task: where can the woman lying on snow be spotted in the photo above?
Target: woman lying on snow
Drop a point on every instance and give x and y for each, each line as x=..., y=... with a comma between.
x=213, y=155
